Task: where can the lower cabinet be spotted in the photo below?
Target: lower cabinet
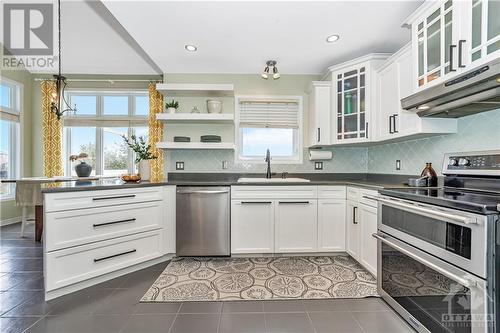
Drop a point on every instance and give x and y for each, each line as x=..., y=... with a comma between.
x=368, y=244
x=352, y=229
x=252, y=226
x=296, y=226
x=331, y=225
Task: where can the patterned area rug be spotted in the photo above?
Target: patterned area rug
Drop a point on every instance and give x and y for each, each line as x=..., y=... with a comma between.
x=261, y=278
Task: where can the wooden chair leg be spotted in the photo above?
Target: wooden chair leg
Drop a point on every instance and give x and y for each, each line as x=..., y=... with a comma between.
x=38, y=223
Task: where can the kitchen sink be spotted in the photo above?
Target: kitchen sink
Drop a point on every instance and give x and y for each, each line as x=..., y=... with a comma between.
x=273, y=180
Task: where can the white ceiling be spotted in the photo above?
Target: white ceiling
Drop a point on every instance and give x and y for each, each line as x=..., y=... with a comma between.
x=238, y=37
x=92, y=43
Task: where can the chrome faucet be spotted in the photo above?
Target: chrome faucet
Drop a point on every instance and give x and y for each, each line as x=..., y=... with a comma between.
x=268, y=161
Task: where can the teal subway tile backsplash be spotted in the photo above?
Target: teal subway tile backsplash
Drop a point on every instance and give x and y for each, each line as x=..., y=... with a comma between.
x=476, y=132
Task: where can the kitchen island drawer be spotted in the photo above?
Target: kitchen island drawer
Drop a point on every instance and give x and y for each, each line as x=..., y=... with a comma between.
x=100, y=198
x=69, y=266
x=331, y=192
x=77, y=227
x=363, y=197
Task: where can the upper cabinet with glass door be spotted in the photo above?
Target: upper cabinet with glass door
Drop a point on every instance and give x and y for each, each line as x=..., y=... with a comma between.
x=452, y=36
x=351, y=92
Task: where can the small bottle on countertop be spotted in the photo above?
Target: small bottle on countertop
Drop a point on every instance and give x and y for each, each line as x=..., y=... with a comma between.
x=430, y=174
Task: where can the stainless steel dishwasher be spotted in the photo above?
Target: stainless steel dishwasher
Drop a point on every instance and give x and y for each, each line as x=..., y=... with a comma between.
x=203, y=221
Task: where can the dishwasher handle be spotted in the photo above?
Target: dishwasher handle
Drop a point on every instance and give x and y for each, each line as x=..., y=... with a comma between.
x=202, y=191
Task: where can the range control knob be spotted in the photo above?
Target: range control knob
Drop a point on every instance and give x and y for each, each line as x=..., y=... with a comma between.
x=463, y=161
x=453, y=162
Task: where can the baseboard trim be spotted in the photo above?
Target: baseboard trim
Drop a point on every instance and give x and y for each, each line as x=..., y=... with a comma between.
x=14, y=220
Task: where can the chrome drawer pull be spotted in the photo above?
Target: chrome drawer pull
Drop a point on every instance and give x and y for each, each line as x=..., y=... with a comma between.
x=294, y=202
x=203, y=192
x=114, y=255
x=463, y=281
x=115, y=197
x=114, y=222
x=424, y=210
x=256, y=202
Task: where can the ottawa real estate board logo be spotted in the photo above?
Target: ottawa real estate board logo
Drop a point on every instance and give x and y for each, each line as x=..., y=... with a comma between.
x=28, y=36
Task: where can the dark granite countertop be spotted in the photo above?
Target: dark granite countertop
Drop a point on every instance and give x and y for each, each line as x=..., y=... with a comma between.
x=369, y=181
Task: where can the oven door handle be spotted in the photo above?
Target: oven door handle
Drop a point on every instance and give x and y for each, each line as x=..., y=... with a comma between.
x=462, y=280
x=428, y=211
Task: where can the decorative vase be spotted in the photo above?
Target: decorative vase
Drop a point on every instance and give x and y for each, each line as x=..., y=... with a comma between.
x=171, y=110
x=83, y=169
x=145, y=169
x=214, y=106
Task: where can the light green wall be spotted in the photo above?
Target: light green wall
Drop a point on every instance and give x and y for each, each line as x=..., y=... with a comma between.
x=8, y=208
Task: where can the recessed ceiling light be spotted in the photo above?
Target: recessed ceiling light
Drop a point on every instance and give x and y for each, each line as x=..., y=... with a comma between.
x=190, y=48
x=332, y=38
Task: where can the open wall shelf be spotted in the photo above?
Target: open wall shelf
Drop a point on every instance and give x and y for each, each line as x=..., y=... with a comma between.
x=195, y=89
x=196, y=145
x=195, y=117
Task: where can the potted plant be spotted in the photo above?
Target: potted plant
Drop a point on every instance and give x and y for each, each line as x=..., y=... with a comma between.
x=83, y=169
x=172, y=106
x=143, y=155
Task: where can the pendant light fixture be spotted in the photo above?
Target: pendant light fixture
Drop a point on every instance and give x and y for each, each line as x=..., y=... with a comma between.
x=265, y=74
x=58, y=104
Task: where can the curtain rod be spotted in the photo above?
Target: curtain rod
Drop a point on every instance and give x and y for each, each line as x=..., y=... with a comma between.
x=103, y=80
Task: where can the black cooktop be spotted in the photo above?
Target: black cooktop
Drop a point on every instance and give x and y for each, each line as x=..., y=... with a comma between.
x=472, y=201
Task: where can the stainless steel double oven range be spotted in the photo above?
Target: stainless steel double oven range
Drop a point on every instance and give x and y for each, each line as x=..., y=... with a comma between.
x=438, y=248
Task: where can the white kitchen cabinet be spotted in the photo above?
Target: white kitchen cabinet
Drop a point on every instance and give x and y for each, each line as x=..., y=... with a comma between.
x=296, y=227
x=393, y=84
x=331, y=224
x=452, y=36
x=252, y=226
x=368, y=244
x=353, y=89
x=320, y=113
x=352, y=229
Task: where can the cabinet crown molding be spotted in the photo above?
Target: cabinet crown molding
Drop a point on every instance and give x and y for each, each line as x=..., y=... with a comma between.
x=355, y=61
x=418, y=13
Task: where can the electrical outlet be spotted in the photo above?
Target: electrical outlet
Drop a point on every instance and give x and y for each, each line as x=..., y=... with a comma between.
x=179, y=165
x=318, y=165
x=225, y=164
x=398, y=164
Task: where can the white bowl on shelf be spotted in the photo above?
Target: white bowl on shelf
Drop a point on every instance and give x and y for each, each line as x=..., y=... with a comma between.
x=214, y=106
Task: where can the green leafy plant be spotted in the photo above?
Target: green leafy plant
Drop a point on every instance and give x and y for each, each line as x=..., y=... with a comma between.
x=140, y=147
x=174, y=104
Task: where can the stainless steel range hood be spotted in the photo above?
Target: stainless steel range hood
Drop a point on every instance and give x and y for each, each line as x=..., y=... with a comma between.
x=474, y=91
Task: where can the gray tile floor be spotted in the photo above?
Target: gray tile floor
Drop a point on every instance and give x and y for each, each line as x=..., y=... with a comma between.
x=114, y=306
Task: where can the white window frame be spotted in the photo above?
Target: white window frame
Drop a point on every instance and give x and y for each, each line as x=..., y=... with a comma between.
x=298, y=139
x=100, y=121
x=16, y=134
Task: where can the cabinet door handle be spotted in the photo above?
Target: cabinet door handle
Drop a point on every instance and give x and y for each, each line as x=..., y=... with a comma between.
x=390, y=125
x=256, y=202
x=460, y=49
x=115, y=197
x=294, y=202
x=319, y=134
x=366, y=129
x=451, y=58
x=114, y=255
x=354, y=210
x=394, y=130
x=114, y=222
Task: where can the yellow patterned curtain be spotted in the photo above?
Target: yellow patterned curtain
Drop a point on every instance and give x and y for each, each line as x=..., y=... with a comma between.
x=52, y=133
x=155, y=132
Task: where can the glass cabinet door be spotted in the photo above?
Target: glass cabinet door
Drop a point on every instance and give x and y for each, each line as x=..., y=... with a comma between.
x=351, y=104
x=434, y=40
x=485, y=28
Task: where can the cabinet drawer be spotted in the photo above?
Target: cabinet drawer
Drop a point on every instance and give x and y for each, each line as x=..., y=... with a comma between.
x=331, y=192
x=274, y=192
x=77, y=227
x=69, y=266
x=352, y=193
x=368, y=202
x=91, y=199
